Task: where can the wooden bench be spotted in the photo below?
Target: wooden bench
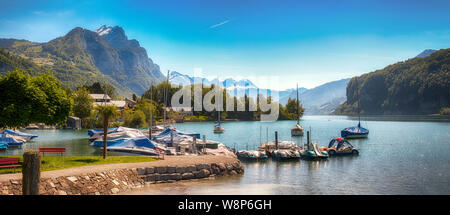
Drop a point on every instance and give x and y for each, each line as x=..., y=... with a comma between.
x=9, y=163
x=52, y=150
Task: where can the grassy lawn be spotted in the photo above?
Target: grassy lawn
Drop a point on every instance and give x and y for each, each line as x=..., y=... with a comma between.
x=60, y=162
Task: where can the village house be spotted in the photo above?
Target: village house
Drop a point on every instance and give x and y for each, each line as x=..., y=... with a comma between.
x=104, y=99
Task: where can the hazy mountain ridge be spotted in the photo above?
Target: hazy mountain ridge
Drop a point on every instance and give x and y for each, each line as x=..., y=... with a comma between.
x=426, y=53
x=322, y=99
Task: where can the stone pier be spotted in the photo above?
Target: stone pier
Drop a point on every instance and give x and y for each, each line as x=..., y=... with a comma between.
x=116, y=178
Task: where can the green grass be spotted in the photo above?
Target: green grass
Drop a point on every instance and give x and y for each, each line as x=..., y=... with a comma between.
x=61, y=162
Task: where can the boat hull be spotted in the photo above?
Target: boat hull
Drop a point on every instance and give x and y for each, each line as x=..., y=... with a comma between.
x=356, y=136
x=296, y=133
x=355, y=132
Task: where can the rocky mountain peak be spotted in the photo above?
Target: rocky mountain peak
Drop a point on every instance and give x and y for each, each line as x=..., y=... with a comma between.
x=116, y=36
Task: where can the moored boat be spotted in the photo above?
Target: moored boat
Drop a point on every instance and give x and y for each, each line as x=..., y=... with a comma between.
x=286, y=154
x=15, y=133
x=312, y=151
x=10, y=141
x=339, y=146
x=251, y=155
x=355, y=131
x=218, y=128
x=297, y=130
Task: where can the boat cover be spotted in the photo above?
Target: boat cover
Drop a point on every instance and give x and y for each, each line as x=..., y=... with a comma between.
x=18, y=133
x=10, y=141
x=167, y=131
x=3, y=146
x=92, y=132
x=128, y=142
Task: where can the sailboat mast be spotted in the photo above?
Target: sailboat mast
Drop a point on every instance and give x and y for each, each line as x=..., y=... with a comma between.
x=357, y=96
x=151, y=112
x=165, y=97
x=298, y=103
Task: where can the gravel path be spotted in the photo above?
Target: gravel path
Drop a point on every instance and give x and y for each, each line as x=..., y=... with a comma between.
x=169, y=160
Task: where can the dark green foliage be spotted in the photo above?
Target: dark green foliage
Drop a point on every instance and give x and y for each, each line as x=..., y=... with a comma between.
x=291, y=109
x=25, y=100
x=416, y=86
x=57, y=105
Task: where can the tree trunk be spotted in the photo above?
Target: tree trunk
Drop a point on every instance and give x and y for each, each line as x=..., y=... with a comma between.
x=31, y=173
x=105, y=134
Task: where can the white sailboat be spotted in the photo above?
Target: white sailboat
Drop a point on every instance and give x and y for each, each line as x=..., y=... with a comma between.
x=218, y=128
x=297, y=130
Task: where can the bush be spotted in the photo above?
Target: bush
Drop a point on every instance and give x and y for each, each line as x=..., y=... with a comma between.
x=134, y=119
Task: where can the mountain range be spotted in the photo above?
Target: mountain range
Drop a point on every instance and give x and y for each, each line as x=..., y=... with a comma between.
x=82, y=56
x=319, y=100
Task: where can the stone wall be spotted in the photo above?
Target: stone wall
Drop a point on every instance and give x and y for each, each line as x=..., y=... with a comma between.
x=121, y=180
x=162, y=174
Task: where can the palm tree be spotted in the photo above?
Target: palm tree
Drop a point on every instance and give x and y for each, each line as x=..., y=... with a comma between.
x=106, y=112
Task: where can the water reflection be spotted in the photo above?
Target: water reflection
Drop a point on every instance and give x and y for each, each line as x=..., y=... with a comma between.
x=398, y=157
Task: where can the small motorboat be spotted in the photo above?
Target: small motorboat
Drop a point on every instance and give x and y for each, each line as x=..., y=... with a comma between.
x=340, y=146
x=251, y=155
x=286, y=154
x=312, y=151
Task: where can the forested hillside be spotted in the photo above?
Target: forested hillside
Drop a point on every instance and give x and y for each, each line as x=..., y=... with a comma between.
x=415, y=86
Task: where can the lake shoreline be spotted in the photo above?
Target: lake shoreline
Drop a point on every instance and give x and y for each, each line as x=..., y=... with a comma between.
x=108, y=179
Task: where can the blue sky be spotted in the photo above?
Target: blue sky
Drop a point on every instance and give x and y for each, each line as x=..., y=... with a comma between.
x=310, y=42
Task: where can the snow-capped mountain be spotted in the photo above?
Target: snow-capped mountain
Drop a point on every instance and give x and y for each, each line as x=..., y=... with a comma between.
x=322, y=99
x=103, y=30
x=229, y=83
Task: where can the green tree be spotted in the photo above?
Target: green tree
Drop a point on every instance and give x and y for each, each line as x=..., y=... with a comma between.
x=82, y=103
x=26, y=100
x=291, y=108
x=57, y=105
x=19, y=98
x=136, y=119
x=106, y=112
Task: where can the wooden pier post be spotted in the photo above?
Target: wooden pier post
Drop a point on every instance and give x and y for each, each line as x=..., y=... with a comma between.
x=307, y=139
x=194, y=145
x=171, y=138
x=276, y=140
x=31, y=173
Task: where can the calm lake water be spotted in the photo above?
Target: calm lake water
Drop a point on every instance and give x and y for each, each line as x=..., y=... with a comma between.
x=403, y=155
